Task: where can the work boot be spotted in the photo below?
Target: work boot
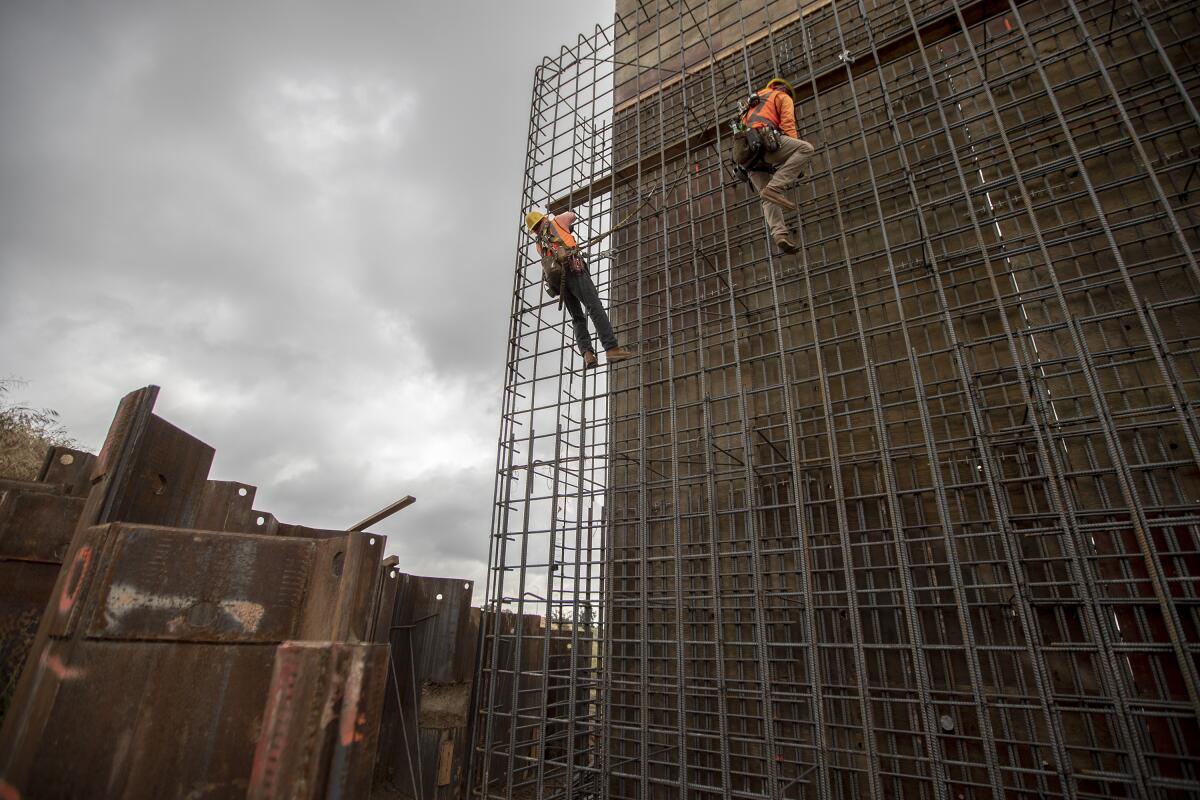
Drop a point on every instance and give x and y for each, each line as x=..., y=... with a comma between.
x=614, y=354
x=589, y=360
x=786, y=244
x=775, y=195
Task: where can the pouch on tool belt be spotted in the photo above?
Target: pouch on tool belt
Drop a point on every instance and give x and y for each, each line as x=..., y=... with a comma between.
x=770, y=138
x=751, y=144
x=553, y=275
x=746, y=147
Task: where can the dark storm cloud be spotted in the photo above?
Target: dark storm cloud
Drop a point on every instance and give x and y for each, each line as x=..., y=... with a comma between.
x=297, y=218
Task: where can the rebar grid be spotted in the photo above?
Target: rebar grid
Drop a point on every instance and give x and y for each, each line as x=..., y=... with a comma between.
x=912, y=513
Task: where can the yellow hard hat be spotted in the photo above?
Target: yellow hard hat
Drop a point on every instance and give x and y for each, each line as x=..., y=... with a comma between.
x=533, y=218
x=782, y=84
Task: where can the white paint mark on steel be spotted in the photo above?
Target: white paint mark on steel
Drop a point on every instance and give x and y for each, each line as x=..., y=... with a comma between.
x=124, y=598
x=249, y=615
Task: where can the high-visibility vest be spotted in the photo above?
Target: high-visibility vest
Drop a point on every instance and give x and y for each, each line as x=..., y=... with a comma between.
x=764, y=113
x=558, y=240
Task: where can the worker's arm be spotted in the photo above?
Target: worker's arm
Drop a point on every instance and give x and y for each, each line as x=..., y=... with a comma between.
x=567, y=220
x=787, y=115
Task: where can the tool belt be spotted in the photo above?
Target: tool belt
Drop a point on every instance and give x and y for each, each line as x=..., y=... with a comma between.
x=554, y=273
x=751, y=145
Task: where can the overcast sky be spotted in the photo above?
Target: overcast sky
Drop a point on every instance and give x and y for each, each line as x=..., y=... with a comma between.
x=298, y=219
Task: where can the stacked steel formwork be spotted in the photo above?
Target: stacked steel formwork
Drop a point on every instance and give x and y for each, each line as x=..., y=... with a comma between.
x=194, y=646
x=913, y=513
x=190, y=645
x=37, y=519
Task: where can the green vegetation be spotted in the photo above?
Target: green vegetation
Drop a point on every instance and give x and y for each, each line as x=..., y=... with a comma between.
x=26, y=434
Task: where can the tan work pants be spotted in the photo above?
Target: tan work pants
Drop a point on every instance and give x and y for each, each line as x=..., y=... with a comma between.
x=788, y=160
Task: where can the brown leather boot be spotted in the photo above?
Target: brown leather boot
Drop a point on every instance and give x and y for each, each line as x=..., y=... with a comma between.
x=776, y=196
x=786, y=244
x=614, y=354
x=589, y=360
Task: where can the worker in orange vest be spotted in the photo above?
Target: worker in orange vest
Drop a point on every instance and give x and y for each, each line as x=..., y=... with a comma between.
x=772, y=114
x=565, y=273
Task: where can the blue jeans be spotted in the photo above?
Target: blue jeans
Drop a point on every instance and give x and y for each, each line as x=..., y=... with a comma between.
x=580, y=295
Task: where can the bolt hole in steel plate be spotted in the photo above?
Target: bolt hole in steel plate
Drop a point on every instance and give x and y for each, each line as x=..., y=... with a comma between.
x=202, y=614
x=467, y=586
x=372, y=540
x=66, y=459
x=260, y=520
x=339, y=561
x=242, y=491
x=439, y=597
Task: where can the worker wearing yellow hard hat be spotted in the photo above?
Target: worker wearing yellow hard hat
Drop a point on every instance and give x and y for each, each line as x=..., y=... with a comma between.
x=565, y=275
x=775, y=166
x=532, y=219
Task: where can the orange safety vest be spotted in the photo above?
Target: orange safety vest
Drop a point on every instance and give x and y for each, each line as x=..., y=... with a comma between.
x=558, y=240
x=764, y=113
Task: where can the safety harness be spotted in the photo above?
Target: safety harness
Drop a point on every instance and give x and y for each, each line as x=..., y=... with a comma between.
x=756, y=134
x=557, y=241
x=560, y=243
x=761, y=102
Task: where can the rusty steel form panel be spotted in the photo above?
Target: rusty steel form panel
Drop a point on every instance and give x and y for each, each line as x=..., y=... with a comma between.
x=321, y=722
x=36, y=522
x=912, y=513
x=151, y=673
x=423, y=742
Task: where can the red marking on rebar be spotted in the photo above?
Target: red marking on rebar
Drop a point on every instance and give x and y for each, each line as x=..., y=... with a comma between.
x=8, y=791
x=83, y=559
x=697, y=169
x=1007, y=25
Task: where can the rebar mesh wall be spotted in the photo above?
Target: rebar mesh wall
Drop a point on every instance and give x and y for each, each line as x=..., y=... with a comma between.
x=910, y=514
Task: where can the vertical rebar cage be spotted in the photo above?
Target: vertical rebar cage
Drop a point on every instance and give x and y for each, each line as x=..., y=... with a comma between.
x=913, y=513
